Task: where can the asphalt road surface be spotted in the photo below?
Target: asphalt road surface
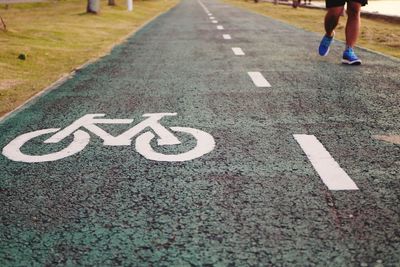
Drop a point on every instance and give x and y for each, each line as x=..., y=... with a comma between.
x=277, y=163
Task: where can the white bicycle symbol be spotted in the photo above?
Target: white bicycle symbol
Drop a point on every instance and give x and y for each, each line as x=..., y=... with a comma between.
x=205, y=142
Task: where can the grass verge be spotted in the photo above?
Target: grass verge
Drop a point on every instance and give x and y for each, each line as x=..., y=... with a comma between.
x=376, y=34
x=58, y=36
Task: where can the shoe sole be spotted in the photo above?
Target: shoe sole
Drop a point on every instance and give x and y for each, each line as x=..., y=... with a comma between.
x=348, y=62
x=326, y=53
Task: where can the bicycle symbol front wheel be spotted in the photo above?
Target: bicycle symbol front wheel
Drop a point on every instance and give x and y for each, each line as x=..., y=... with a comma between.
x=13, y=149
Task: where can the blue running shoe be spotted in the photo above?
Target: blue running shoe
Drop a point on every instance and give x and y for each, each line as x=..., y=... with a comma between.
x=350, y=58
x=324, y=45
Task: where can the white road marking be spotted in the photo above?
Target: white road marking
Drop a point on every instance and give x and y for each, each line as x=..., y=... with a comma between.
x=220, y=27
x=226, y=36
x=209, y=14
x=215, y=21
x=258, y=79
x=333, y=176
x=203, y=6
x=205, y=142
x=13, y=149
x=212, y=17
x=238, y=51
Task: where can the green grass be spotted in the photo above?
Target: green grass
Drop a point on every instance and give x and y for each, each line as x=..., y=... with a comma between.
x=376, y=34
x=58, y=36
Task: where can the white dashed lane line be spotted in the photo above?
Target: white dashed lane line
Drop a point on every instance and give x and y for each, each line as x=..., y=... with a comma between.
x=220, y=27
x=333, y=176
x=204, y=7
x=226, y=36
x=215, y=21
x=238, y=51
x=212, y=17
x=258, y=79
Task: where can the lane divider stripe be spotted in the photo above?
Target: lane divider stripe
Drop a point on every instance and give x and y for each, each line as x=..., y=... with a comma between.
x=238, y=51
x=333, y=176
x=220, y=27
x=258, y=79
x=203, y=6
x=215, y=21
x=226, y=36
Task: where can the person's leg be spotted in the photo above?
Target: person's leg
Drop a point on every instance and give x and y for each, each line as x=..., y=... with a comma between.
x=332, y=16
x=352, y=32
x=353, y=23
x=332, y=19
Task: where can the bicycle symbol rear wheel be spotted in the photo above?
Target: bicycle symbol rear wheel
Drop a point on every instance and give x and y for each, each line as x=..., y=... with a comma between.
x=205, y=144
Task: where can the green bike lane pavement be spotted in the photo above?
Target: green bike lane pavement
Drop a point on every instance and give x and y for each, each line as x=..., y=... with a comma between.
x=255, y=199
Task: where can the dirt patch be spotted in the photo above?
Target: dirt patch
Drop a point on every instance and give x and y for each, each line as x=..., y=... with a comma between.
x=8, y=84
x=395, y=139
x=384, y=18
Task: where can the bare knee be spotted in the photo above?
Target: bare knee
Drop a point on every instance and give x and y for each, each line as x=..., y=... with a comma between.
x=334, y=12
x=332, y=18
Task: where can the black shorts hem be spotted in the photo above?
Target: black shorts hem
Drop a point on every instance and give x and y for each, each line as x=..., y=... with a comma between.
x=337, y=3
